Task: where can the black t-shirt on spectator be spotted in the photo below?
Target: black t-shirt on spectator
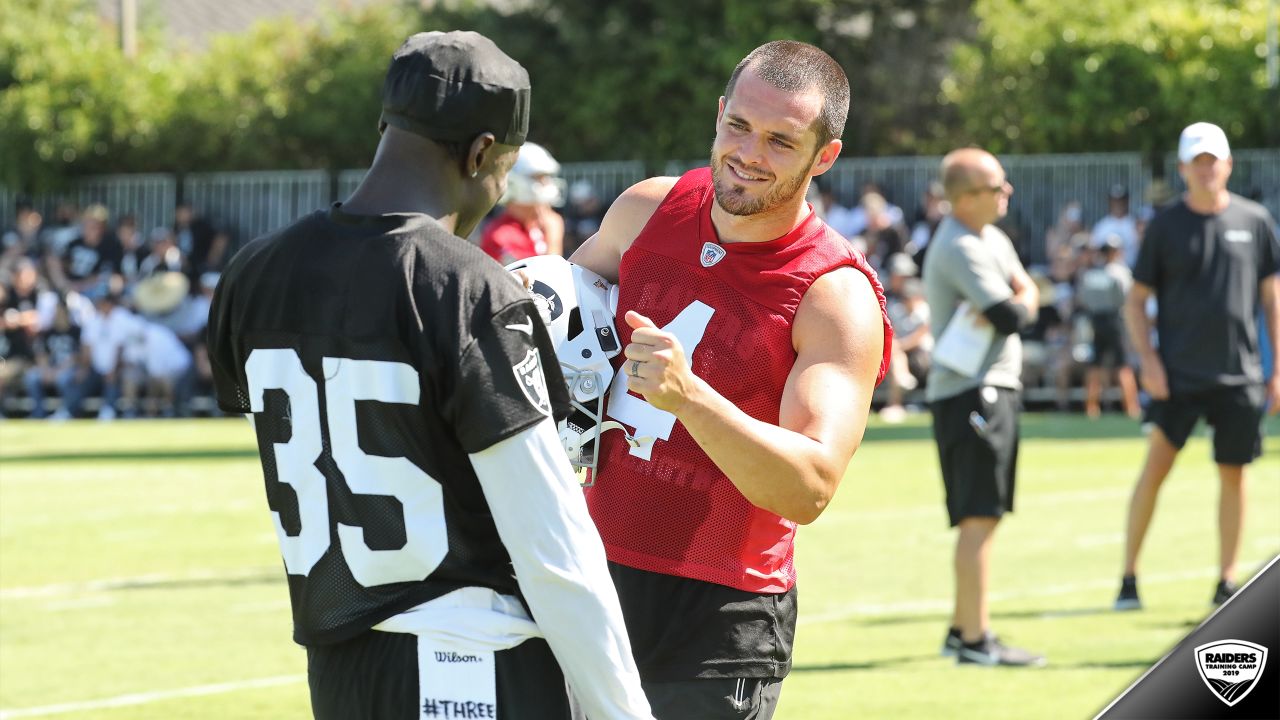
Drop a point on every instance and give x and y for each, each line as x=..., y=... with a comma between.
x=81, y=260
x=1204, y=271
x=60, y=346
x=15, y=343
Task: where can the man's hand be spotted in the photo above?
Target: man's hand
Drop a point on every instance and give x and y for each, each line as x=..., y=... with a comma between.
x=1273, y=394
x=656, y=366
x=1153, y=377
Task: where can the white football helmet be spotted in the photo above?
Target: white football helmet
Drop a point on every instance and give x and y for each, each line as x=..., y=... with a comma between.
x=578, y=307
x=534, y=179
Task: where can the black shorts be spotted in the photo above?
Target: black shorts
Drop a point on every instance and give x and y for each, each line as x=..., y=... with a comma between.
x=977, y=437
x=714, y=698
x=374, y=676
x=1234, y=412
x=1108, y=341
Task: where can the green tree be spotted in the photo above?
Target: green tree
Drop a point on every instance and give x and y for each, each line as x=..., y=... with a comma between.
x=1099, y=75
x=70, y=103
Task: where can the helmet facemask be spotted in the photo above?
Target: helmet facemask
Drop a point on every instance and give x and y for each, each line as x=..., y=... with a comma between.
x=578, y=308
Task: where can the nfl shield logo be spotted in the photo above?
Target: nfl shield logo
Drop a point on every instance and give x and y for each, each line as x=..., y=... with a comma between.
x=533, y=383
x=711, y=254
x=1230, y=668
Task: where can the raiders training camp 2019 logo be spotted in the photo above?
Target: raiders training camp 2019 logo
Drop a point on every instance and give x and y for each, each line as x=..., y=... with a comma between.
x=1230, y=668
x=711, y=254
x=533, y=382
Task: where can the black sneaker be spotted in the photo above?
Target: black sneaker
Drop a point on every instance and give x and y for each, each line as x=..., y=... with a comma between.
x=990, y=651
x=952, y=644
x=1224, y=590
x=1128, y=598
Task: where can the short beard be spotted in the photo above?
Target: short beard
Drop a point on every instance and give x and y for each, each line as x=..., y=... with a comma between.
x=734, y=202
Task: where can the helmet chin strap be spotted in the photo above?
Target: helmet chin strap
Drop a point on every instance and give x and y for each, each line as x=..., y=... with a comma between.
x=632, y=440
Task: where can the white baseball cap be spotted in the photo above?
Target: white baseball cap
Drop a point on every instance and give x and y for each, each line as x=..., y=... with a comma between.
x=1203, y=137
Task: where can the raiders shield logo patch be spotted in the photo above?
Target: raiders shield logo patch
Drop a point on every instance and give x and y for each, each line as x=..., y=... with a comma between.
x=711, y=254
x=534, y=384
x=1230, y=668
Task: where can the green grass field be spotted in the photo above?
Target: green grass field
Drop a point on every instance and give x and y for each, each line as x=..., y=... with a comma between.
x=139, y=576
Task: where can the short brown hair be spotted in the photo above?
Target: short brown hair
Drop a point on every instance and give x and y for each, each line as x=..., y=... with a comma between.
x=794, y=66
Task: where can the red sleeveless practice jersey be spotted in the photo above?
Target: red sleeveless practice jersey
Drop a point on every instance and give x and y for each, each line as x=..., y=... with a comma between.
x=665, y=507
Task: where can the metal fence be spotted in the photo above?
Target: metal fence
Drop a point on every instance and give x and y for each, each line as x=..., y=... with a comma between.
x=249, y=204
x=150, y=198
x=1255, y=174
x=1043, y=184
x=607, y=179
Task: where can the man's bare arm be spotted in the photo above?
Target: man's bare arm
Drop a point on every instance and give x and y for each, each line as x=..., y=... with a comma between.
x=602, y=253
x=791, y=469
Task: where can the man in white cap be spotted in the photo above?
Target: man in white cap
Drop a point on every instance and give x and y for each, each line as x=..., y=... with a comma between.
x=1209, y=260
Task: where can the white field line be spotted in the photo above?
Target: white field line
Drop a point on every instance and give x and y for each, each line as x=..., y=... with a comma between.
x=939, y=510
x=137, y=581
x=845, y=612
x=150, y=697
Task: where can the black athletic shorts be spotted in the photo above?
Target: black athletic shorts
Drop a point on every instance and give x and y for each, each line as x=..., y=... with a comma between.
x=1108, y=340
x=374, y=676
x=714, y=698
x=977, y=437
x=1234, y=413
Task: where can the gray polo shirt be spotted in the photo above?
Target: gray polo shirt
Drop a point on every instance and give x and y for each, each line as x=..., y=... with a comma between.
x=978, y=268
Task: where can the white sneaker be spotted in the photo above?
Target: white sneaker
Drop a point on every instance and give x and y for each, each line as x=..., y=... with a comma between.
x=107, y=413
x=60, y=415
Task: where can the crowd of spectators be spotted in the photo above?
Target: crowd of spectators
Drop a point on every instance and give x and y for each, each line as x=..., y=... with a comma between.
x=1077, y=348
x=92, y=306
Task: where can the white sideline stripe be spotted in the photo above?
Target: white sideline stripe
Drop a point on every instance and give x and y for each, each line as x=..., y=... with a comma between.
x=150, y=697
x=934, y=605
x=137, y=581
x=1052, y=500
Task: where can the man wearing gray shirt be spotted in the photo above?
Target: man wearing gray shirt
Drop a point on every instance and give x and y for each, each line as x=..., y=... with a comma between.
x=972, y=275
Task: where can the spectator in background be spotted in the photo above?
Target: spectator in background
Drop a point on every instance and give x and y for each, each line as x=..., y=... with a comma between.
x=21, y=240
x=933, y=207
x=1059, y=237
x=1118, y=222
x=900, y=268
x=836, y=214
x=912, y=346
x=1100, y=296
x=529, y=225
x=1211, y=261
x=856, y=222
x=19, y=322
x=164, y=255
x=882, y=236
x=59, y=363
x=583, y=215
x=88, y=260
x=132, y=249
x=166, y=363
x=975, y=411
x=193, y=234
x=113, y=338
x=59, y=233
x=194, y=335
x=216, y=259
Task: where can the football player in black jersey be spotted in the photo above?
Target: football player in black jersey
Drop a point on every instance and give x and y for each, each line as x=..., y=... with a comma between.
x=403, y=389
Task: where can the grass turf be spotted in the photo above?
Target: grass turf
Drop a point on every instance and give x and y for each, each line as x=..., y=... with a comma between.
x=139, y=576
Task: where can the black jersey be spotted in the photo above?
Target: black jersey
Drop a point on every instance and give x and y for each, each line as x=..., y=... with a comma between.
x=1205, y=271
x=375, y=353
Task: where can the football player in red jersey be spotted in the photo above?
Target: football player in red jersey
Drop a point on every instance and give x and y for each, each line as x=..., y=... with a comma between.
x=754, y=337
